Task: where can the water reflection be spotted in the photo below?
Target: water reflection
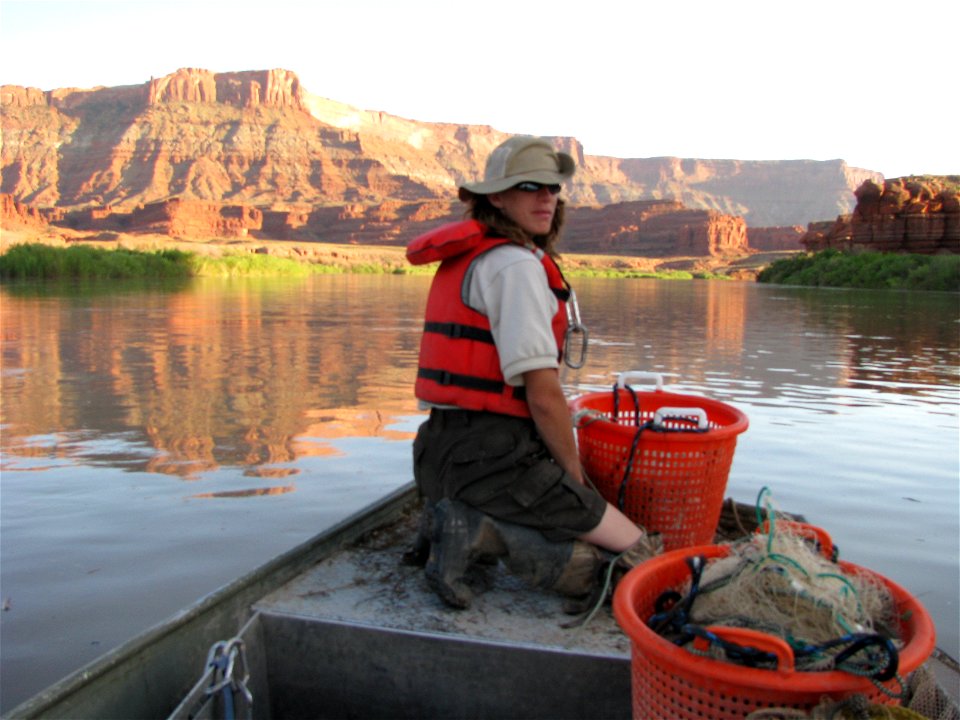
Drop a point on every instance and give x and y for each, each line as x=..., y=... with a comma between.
x=288, y=404
x=253, y=492
x=259, y=373
x=748, y=341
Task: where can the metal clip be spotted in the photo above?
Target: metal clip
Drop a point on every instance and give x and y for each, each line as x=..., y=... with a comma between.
x=223, y=657
x=574, y=327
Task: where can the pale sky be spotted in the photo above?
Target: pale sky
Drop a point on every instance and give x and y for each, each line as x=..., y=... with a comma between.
x=871, y=82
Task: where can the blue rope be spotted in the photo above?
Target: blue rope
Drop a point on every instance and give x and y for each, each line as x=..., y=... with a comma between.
x=865, y=654
x=622, y=493
x=221, y=663
x=628, y=467
x=743, y=654
x=672, y=609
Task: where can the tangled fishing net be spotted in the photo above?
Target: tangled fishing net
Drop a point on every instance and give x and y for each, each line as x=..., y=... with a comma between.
x=781, y=584
x=925, y=700
x=784, y=581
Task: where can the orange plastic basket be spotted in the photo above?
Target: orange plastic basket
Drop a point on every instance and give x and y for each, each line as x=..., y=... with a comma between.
x=670, y=682
x=677, y=476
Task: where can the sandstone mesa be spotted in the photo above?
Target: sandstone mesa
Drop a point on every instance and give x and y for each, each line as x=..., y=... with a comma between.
x=197, y=154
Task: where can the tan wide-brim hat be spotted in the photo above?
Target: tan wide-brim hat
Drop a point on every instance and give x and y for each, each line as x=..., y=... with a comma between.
x=519, y=159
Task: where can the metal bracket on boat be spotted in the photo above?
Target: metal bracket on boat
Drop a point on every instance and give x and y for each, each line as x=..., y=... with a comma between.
x=574, y=327
x=224, y=658
x=222, y=691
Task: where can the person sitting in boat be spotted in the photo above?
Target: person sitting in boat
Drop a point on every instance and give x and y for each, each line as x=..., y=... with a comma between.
x=496, y=460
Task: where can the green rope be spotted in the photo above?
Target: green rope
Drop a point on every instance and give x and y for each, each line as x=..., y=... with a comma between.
x=782, y=560
x=761, y=496
x=848, y=586
x=896, y=695
x=605, y=591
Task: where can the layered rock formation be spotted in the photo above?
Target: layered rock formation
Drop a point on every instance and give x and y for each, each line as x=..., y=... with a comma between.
x=776, y=238
x=654, y=229
x=643, y=228
x=914, y=214
x=272, y=88
x=18, y=215
x=258, y=138
x=195, y=219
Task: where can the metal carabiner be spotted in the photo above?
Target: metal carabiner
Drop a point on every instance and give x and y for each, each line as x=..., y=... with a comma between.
x=223, y=658
x=574, y=327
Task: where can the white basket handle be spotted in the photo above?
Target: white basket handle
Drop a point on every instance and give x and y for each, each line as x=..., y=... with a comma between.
x=624, y=377
x=680, y=413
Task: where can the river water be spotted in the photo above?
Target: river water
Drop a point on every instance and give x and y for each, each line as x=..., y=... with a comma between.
x=159, y=441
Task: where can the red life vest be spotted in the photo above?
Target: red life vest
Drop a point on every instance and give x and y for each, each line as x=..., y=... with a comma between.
x=459, y=364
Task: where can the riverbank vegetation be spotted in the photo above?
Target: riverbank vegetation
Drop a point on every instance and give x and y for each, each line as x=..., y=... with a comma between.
x=38, y=261
x=581, y=272
x=830, y=268
x=868, y=270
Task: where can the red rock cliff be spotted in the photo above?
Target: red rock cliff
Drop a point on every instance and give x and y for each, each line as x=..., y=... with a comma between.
x=912, y=214
x=776, y=238
x=14, y=97
x=271, y=88
x=258, y=138
x=15, y=215
x=651, y=229
x=654, y=228
x=194, y=219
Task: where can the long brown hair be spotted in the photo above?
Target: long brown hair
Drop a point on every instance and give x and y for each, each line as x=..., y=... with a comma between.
x=482, y=210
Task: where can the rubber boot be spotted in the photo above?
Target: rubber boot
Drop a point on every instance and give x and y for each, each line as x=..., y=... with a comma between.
x=572, y=568
x=461, y=537
x=419, y=551
x=580, y=574
x=568, y=567
x=648, y=546
x=612, y=568
x=581, y=582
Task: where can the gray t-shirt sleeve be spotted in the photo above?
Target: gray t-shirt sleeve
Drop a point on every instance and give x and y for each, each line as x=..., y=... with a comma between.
x=509, y=286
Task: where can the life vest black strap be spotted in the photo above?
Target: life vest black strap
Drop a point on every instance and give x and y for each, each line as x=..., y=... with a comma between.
x=458, y=331
x=469, y=382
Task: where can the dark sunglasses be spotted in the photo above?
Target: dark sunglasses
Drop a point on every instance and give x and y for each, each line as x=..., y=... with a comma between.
x=532, y=187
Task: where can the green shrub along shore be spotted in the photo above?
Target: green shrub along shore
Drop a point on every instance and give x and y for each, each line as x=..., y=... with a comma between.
x=830, y=268
x=868, y=270
x=37, y=261
x=43, y=262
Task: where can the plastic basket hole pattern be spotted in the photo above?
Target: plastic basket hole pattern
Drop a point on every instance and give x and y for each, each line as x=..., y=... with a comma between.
x=676, y=480
x=670, y=682
x=657, y=694
x=660, y=694
x=675, y=491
